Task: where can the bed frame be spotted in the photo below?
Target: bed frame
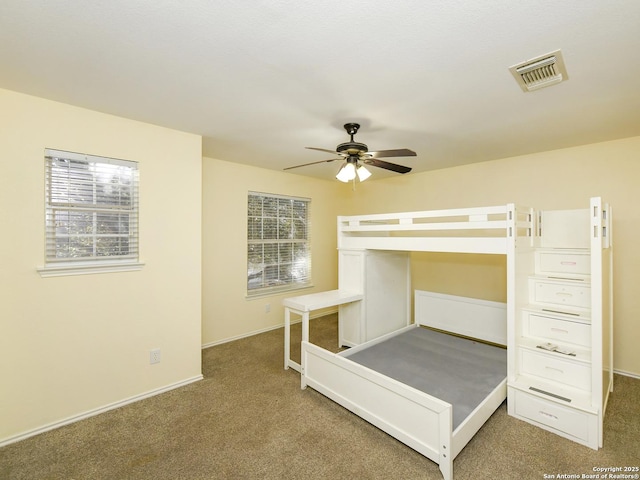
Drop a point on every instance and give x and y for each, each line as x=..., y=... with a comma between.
x=417, y=419
x=421, y=421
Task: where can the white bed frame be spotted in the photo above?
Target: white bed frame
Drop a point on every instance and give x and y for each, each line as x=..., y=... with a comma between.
x=419, y=420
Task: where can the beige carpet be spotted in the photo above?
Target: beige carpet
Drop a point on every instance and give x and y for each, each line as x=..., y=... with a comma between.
x=248, y=419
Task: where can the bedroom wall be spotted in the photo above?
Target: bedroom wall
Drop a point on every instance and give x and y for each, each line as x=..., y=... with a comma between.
x=559, y=179
x=227, y=313
x=75, y=345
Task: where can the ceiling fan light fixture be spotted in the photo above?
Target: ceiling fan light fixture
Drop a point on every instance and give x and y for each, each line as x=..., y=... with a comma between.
x=363, y=173
x=347, y=172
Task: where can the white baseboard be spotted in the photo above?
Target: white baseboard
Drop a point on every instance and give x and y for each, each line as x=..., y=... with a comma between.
x=268, y=329
x=238, y=337
x=627, y=374
x=97, y=411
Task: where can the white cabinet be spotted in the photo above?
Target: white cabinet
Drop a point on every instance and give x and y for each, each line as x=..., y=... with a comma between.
x=560, y=317
x=383, y=278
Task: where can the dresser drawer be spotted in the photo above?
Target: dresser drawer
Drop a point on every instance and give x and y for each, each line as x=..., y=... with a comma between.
x=557, y=417
x=560, y=262
x=551, y=367
x=561, y=293
x=554, y=329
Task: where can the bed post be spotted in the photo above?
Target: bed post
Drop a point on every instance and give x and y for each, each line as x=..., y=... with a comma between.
x=445, y=462
x=512, y=235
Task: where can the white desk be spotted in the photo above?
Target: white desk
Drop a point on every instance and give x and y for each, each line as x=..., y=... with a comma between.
x=304, y=304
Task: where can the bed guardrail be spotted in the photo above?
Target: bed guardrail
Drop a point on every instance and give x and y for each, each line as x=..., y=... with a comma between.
x=463, y=230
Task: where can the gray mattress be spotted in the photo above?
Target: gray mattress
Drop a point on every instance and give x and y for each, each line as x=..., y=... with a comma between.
x=459, y=371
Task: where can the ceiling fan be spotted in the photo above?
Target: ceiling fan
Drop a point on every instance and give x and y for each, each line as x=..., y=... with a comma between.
x=356, y=155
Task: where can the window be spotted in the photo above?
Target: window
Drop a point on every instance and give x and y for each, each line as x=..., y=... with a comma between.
x=91, y=214
x=279, y=254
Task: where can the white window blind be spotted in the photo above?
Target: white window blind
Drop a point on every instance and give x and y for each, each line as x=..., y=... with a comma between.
x=91, y=209
x=279, y=253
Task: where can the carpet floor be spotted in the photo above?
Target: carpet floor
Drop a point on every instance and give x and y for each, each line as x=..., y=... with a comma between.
x=249, y=419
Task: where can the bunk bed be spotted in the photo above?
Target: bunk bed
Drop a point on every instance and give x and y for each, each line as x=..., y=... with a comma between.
x=559, y=294
x=392, y=380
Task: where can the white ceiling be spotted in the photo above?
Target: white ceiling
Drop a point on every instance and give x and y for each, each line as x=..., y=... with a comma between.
x=261, y=80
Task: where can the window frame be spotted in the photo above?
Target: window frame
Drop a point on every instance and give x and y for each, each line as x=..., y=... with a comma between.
x=71, y=201
x=298, y=241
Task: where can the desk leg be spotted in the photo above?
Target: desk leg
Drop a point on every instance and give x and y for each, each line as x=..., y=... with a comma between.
x=305, y=326
x=287, y=337
x=305, y=337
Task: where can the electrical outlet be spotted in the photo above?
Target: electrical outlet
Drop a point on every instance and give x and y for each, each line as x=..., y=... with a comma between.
x=267, y=308
x=154, y=356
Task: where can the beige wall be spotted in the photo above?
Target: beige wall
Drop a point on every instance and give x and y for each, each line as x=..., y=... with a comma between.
x=75, y=344
x=226, y=311
x=62, y=356
x=560, y=179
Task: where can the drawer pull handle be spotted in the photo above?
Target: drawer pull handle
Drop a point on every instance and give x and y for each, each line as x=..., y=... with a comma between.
x=567, y=263
x=548, y=415
x=559, y=330
x=553, y=368
x=534, y=389
x=566, y=278
x=564, y=294
x=561, y=312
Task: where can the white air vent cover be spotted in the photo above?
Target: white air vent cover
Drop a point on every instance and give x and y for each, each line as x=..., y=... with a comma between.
x=540, y=72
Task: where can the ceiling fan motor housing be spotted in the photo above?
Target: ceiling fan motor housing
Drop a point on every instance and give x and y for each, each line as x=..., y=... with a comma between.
x=352, y=148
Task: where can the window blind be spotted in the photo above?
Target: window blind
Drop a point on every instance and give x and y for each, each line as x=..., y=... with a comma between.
x=279, y=253
x=91, y=208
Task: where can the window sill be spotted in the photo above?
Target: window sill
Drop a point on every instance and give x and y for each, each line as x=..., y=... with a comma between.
x=88, y=269
x=276, y=291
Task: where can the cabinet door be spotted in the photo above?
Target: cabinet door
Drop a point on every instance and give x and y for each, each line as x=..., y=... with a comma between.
x=387, y=294
x=351, y=278
x=383, y=278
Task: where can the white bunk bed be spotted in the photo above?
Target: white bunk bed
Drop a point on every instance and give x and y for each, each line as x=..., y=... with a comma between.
x=427, y=422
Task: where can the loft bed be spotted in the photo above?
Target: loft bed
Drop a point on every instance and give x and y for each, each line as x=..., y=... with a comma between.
x=396, y=381
x=490, y=230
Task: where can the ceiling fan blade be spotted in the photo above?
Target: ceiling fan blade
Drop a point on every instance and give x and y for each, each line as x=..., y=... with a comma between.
x=386, y=165
x=323, y=150
x=313, y=163
x=400, y=152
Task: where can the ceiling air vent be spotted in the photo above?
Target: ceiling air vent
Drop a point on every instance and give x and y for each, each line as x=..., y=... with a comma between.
x=540, y=72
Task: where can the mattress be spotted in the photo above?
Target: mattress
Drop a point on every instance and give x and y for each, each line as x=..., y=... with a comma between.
x=459, y=371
